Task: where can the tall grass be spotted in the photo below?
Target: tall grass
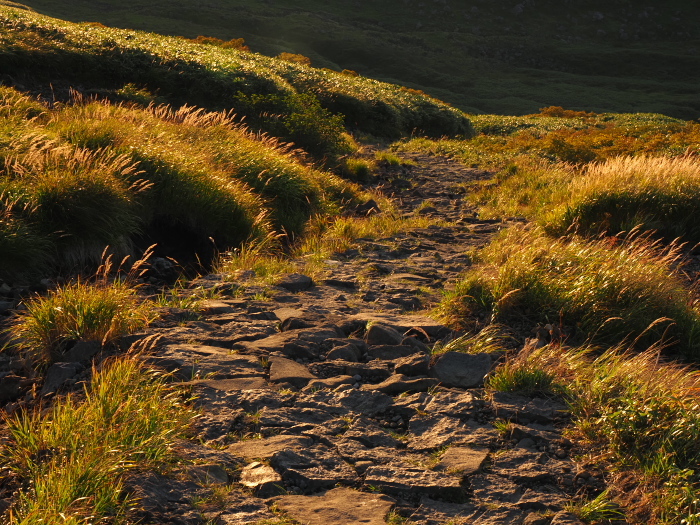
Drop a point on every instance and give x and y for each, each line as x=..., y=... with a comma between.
x=624, y=193
x=604, y=292
x=77, y=199
x=100, y=310
x=642, y=415
x=72, y=459
x=91, y=174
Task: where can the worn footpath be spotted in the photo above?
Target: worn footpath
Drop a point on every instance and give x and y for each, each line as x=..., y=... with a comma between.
x=323, y=403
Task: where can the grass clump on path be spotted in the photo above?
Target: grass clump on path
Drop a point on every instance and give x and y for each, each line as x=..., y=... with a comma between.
x=100, y=310
x=72, y=459
x=608, y=292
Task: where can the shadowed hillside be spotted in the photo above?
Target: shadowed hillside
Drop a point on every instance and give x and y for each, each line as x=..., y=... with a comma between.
x=493, y=57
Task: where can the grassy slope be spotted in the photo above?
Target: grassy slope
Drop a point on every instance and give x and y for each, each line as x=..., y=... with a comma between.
x=81, y=175
x=481, y=56
x=283, y=98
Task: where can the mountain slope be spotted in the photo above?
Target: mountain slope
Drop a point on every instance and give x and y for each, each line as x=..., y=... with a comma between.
x=492, y=57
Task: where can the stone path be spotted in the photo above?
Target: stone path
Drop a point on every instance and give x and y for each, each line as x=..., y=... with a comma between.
x=322, y=400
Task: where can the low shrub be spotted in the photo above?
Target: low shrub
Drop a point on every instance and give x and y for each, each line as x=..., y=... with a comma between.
x=296, y=58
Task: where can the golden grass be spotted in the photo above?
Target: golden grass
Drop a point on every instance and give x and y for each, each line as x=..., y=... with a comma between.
x=73, y=458
x=610, y=290
x=641, y=415
x=623, y=193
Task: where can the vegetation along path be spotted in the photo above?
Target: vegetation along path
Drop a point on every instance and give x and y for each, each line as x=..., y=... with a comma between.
x=337, y=400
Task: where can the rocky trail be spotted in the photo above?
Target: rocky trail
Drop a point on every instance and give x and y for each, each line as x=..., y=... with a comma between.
x=322, y=401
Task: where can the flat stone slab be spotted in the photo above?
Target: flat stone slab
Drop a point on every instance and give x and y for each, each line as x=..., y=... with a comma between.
x=462, y=461
x=337, y=506
x=431, y=432
x=523, y=466
x=189, y=361
x=266, y=448
x=433, y=512
x=261, y=479
x=526, y=410
x=409, y=277
x=242, y=509
x=287, y=371
x=313, y=469
x=408, y=482
x=456, y=369
x=231, y=385
x=403, y=323
x=366, y=403
x=216, y=307
x=494, y=490
x=295, y=282
x=453, y=404
x=398, y=384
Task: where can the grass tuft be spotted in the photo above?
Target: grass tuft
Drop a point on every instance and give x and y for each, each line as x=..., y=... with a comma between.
x=604, y=291
x=74, y=457
x=100, y=310
x=491, y=339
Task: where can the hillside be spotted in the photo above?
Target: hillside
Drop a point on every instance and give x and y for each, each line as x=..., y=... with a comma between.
x=481, y=56
x=238, y=184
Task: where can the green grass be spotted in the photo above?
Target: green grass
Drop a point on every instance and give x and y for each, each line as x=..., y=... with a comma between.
x=100, y=310
x=79, y=177
x=484, y=57
x=307, y=106
x=643, y=413
x=604, y=292
x=73, y=458
x=526, y=381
